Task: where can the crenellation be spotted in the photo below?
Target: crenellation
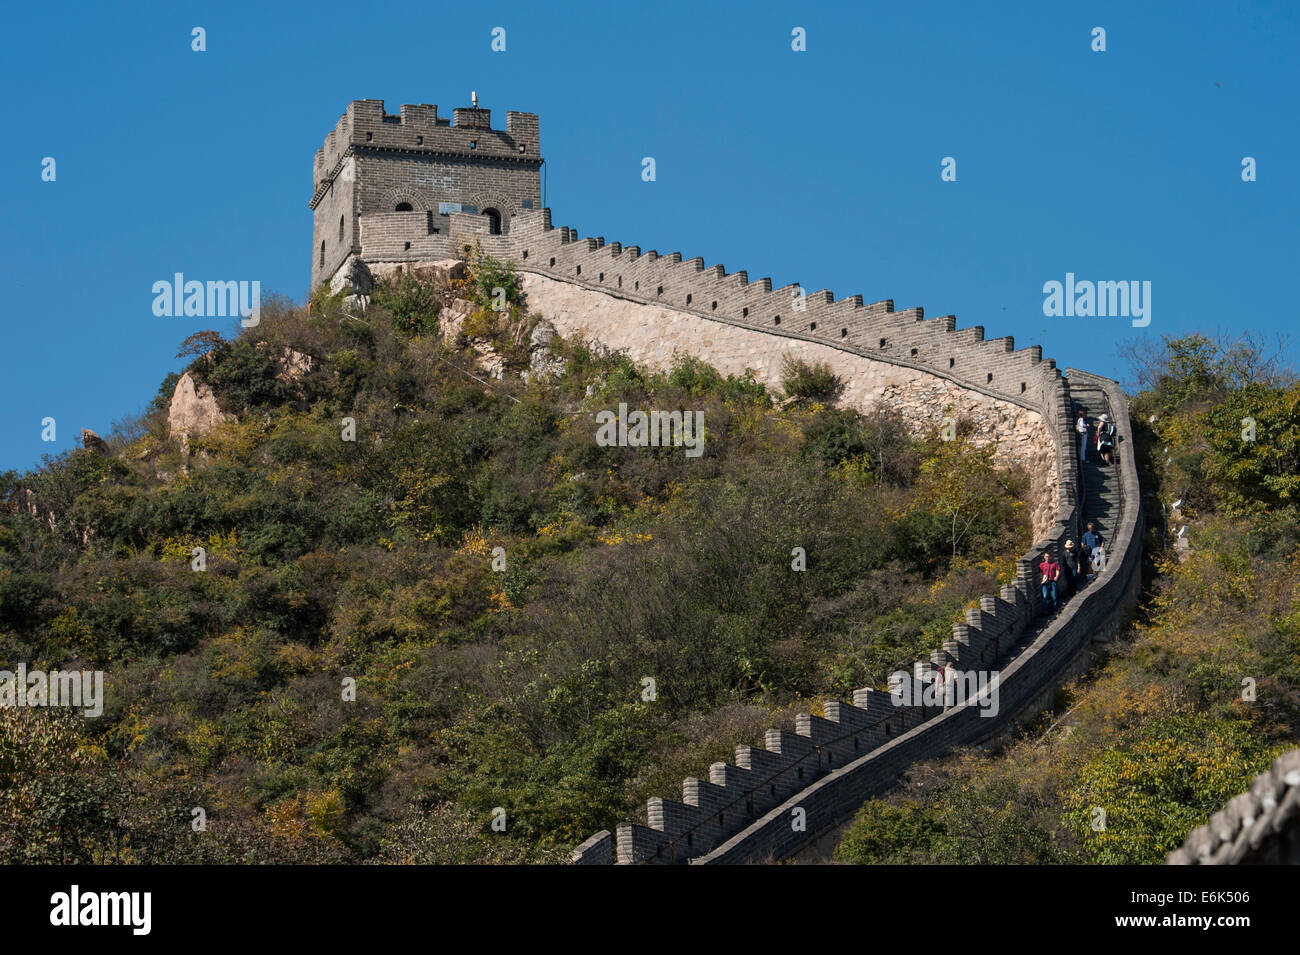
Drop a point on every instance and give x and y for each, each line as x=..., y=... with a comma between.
x=673, y=818
x=768, y=781
x=790, y=745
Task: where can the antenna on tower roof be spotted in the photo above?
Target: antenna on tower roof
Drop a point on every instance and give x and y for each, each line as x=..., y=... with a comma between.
x=473, y=98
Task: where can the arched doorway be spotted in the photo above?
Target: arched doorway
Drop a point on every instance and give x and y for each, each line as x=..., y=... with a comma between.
x=494, y=221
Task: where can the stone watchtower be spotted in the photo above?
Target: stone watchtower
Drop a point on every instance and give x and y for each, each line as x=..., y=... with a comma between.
x=385, y=188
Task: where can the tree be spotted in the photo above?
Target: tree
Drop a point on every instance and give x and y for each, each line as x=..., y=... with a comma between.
x=1254, y=448
x=959, y=482
x=1164, y=782
x=1197, y=370
x=200, y=343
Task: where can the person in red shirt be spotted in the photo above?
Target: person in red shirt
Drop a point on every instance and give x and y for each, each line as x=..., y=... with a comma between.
x=1051, y=572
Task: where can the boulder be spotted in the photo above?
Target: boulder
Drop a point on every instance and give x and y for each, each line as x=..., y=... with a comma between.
x=193, y=410
x=355, y=278
x=295, y=364
x=541, y=363
x=93, y=442
x=354, y=275
x=444, y=270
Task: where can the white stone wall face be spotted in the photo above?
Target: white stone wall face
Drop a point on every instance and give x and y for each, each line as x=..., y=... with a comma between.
x=651, y=334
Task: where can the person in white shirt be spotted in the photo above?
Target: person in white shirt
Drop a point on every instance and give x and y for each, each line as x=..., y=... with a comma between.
x=1081, y=426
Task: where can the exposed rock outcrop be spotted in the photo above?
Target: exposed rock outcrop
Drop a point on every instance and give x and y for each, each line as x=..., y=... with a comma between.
x=453, y=319
x=354, y=277
x=193, y=410
x=541, y=363
x=444, y=270
x=295, y=365
x=93, y=442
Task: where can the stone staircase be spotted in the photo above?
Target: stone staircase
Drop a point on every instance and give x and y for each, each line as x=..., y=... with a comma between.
x=1100, y=502
x=1100, y=482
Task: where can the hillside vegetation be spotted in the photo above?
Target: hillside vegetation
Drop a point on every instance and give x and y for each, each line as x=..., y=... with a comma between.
x=508, y=684
x=1205, y=690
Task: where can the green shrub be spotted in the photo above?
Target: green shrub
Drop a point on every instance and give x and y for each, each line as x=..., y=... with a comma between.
x=809, y=381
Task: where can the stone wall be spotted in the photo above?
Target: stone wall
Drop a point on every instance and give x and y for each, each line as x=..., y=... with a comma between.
x=652, y=334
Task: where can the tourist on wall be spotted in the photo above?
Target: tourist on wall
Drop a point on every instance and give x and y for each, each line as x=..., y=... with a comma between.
x=1106, y=439
x=1081, y=426
x=1051, y=572
x=1070, y=568
x=1091, y=541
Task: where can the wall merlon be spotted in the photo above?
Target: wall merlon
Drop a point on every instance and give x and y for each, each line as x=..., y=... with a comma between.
x=817, y=729
x=789, y=745
x=639, y=844
x=705, y=795
x=770, y=769
x=848, y=717
x=672, y=818
x=731, y=777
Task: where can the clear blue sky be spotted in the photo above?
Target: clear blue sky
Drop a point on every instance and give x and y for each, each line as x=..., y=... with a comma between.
x=821, y=167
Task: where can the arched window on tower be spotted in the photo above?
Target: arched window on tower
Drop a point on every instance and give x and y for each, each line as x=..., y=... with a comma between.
x=322, y=253
x=404, y=207
x=494, y=221
x=340, y=228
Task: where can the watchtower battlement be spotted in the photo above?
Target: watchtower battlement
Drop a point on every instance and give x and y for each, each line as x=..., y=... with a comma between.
x=415, y=169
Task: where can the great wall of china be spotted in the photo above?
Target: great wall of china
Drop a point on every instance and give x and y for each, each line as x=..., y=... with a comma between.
x=773, y=801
